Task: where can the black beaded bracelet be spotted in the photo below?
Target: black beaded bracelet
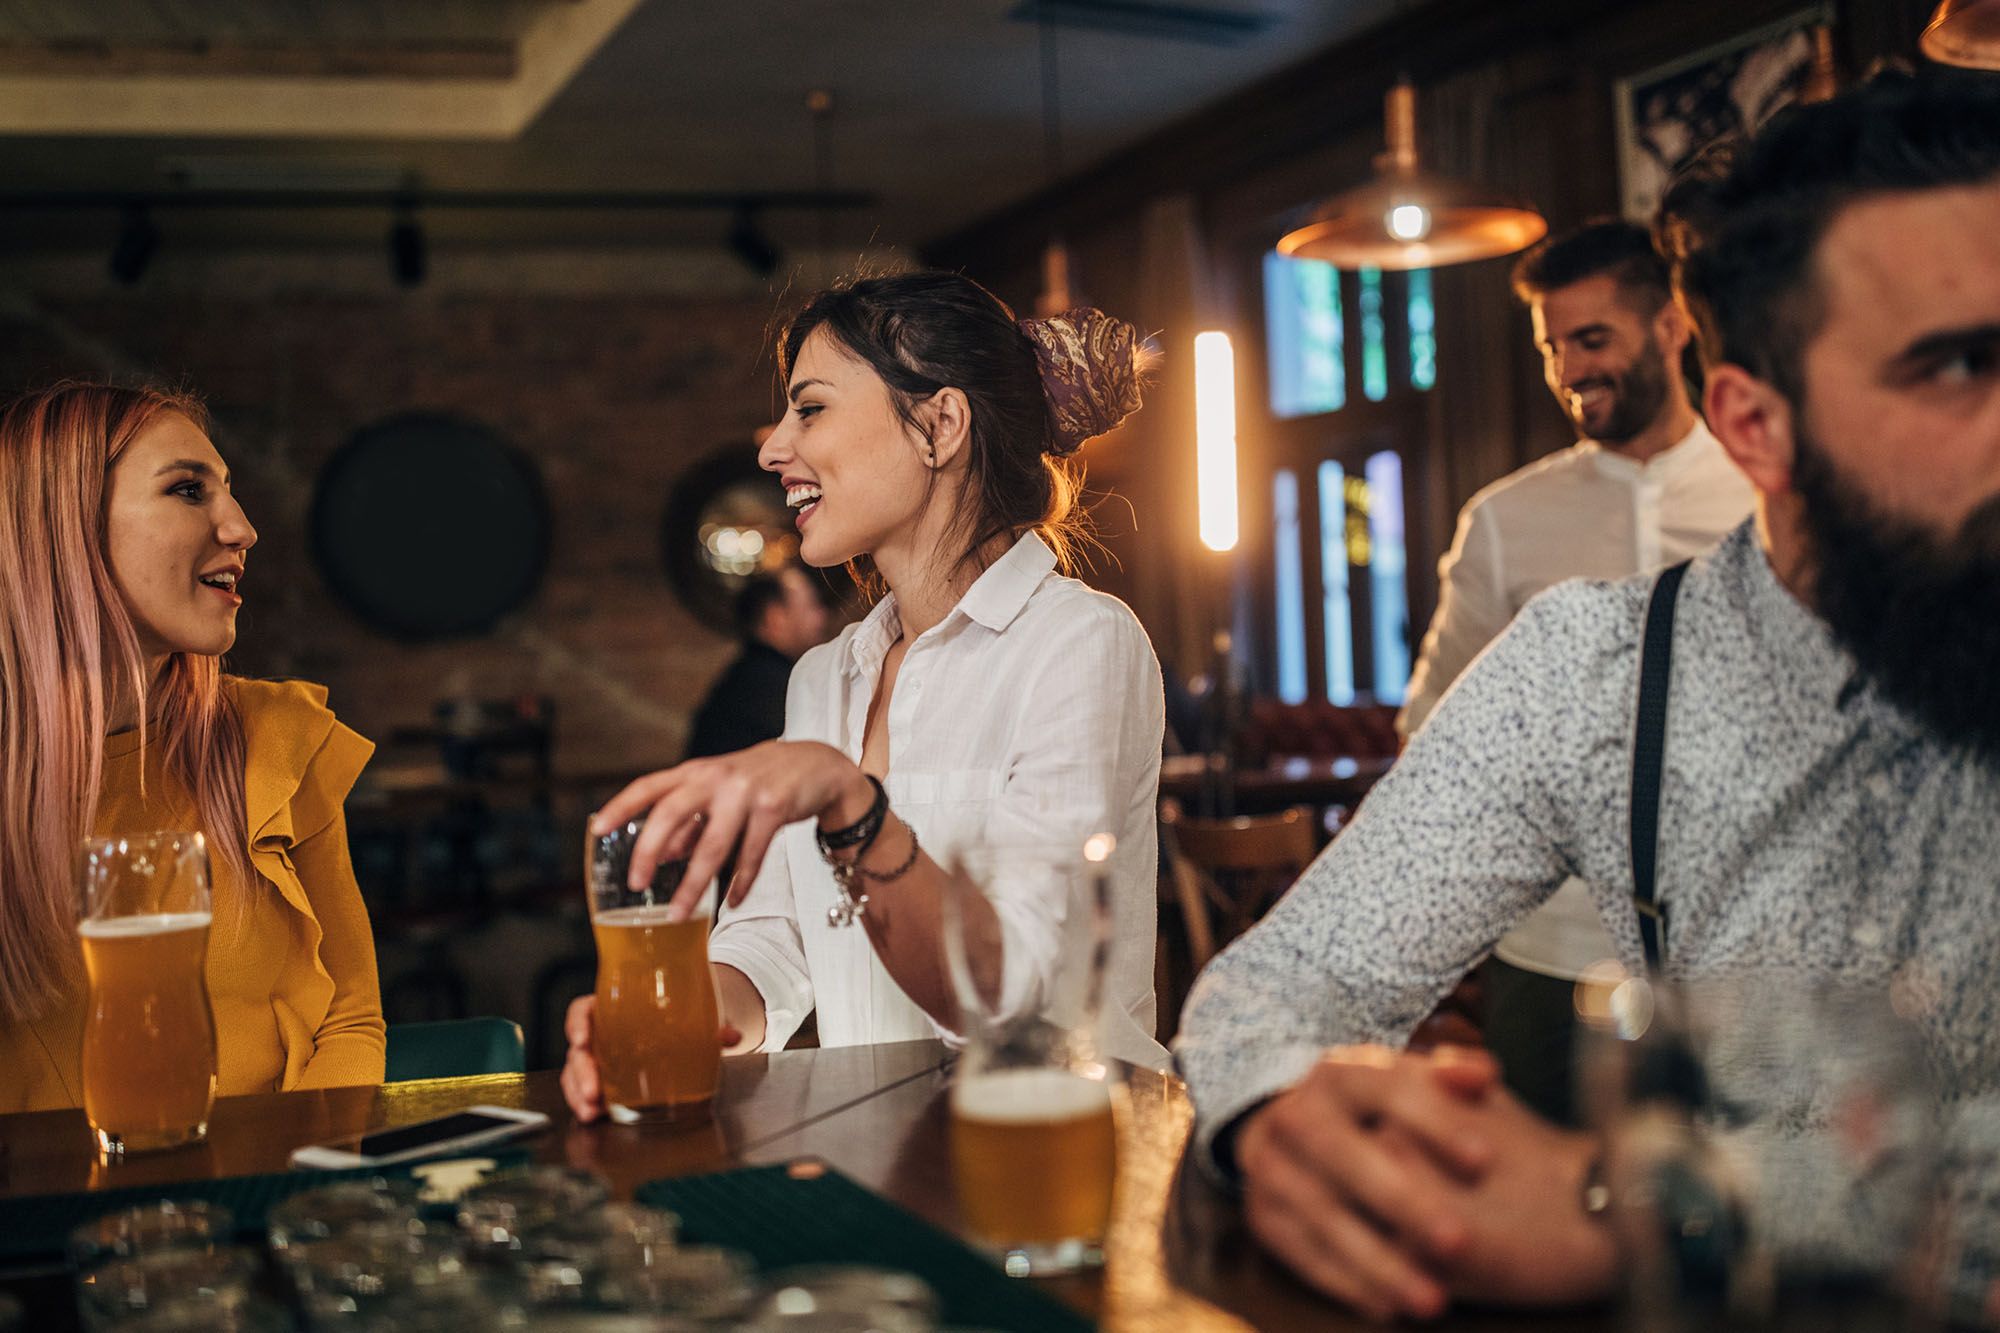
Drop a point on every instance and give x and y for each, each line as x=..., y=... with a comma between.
x=863, y=830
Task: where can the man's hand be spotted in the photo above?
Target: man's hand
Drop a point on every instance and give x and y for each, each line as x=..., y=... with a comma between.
x=1529, y=1242
x=1396, y=1181
x=1364, y=1214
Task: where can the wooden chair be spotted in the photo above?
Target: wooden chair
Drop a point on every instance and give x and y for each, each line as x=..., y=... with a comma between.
x=1217, y=877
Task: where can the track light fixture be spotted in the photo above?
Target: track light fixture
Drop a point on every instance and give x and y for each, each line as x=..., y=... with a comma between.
x=749, y=243
x=409, y=256
x=137, y=241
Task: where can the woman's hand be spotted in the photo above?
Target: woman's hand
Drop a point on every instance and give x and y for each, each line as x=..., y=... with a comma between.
x=704, y=808
x=582, y=1083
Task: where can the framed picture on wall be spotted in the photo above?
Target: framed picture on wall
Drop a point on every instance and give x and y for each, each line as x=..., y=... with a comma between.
x=1668, y=114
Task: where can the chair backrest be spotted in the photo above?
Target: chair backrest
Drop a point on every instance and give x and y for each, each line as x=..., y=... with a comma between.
x=1284, y=842
x=455, y=1048
x=1222, y=874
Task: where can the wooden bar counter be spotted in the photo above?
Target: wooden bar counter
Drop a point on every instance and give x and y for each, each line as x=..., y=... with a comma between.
x=1177, y=1257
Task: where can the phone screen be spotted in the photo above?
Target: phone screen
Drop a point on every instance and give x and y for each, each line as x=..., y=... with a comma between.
x=405, y=1137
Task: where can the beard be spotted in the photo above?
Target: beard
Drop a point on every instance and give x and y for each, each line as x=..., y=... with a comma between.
x=1638, y=392
x=1919, y=613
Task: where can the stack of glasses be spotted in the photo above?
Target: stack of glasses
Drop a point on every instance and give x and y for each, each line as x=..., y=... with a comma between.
x=535, y=1247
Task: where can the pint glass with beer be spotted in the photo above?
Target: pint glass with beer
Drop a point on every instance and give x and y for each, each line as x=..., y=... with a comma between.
x=1033, y=1138
x=148, y=1034
x=657, y=1016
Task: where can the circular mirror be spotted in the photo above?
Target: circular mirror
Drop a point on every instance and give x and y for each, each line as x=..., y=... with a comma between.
x=430, y=526
x=725, y=521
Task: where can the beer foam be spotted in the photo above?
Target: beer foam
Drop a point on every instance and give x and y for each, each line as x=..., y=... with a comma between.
x=637, y=917
x=1029, y=1096
x=125, y=927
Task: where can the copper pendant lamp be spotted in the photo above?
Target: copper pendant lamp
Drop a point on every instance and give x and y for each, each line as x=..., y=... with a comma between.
x=1964, y=32
x=1407, y=217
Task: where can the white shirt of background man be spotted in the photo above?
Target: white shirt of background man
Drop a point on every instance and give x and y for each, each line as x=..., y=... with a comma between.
x=1582, y=512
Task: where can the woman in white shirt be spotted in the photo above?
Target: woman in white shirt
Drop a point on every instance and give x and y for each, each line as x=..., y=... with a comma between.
x=986, y=700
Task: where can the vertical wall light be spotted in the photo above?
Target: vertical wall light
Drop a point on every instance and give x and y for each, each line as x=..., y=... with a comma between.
x=1215, y=439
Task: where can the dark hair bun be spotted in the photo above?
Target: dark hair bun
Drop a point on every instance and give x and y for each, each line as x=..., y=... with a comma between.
x=1090, y=367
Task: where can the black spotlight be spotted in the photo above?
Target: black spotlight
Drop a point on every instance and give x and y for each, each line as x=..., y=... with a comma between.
x=137, y=239
x=747, y=241
x=409, y=257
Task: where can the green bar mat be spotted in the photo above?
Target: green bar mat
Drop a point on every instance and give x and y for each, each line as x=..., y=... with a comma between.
x=37, y=1227
x=781, y=1221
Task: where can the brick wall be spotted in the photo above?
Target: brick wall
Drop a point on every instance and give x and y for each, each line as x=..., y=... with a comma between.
x=613, y=388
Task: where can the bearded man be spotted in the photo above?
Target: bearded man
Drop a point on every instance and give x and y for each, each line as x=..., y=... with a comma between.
x=1795, y=775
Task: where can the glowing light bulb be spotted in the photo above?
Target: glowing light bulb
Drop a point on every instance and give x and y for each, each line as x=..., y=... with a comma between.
x=1409, y=222
x=1215, y=439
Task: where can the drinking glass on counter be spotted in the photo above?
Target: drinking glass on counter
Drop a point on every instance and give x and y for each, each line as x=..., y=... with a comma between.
x=1033, y=1139
x=1770, y=1152
x=148, y=1036
x=210, y=1281
x=657, y=1014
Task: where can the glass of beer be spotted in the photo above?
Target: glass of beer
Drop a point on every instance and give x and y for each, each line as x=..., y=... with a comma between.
x=148, y=1033
x=1033, y=1139
x=657, y=1017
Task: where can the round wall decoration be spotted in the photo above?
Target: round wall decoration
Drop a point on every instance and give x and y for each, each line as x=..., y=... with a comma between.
x=430, y=526
x=725, y=521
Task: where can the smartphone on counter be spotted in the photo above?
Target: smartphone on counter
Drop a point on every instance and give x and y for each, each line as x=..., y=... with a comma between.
x=474, y=1127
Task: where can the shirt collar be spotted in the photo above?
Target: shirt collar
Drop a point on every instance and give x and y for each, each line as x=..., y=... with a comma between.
x=1817, y=681
x=993, y=600
x=998, y=595
x=1690, y=451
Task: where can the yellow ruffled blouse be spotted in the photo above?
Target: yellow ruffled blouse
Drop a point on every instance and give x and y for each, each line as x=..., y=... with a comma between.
x=291, y=973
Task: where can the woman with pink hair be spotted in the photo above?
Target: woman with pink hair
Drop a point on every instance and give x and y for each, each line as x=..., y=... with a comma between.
x=121, y=553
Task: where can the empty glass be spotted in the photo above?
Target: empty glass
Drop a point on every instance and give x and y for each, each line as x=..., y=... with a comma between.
x=836, y=1298
x=591, y=1258
x=1771, y=1151
x=706, y=1282
x=146, y=1228
x=333, y=1210
x=1034, y=1142
x=374, y=1272
x=118, y=1290
x=505, y=1207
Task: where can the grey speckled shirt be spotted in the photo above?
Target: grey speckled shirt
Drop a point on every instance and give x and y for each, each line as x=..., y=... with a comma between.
x=1806, y=825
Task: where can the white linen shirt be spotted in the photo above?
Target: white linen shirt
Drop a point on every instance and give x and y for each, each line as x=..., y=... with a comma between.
x=1032, y=714
x=1583, y=512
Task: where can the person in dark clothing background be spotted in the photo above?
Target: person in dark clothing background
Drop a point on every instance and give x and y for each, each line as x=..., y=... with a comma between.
x=779, y=616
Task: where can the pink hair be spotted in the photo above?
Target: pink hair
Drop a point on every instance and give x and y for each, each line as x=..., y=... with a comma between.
x=67, y=644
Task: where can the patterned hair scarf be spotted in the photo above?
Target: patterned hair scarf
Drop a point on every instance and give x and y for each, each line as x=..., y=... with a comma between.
x=1090, y=367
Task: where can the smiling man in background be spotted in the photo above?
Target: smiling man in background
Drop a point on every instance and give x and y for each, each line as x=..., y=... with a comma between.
x=1646, y=485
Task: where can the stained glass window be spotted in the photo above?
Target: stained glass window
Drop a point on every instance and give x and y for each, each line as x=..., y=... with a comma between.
x=1374, y=338
x=1304, y=330
x=1333, y=559
x=1388, y=596
x=1290, y=589
x=1423, y=331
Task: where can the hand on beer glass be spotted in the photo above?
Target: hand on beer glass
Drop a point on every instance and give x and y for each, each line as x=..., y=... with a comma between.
x=148, y=1034
x=650, y=1047
x=701, y=811
x=582, y=1078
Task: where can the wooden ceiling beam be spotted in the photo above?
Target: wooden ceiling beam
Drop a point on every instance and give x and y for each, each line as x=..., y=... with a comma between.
x=227, y=59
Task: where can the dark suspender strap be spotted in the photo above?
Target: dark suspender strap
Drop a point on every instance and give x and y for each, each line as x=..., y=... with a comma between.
x=1649, y=747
